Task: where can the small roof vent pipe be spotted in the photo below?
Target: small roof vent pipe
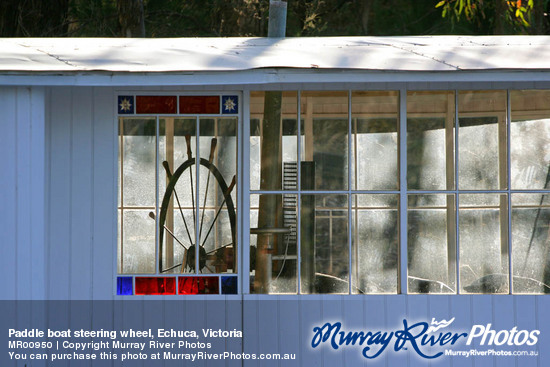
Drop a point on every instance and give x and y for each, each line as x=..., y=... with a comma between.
x=277, y=19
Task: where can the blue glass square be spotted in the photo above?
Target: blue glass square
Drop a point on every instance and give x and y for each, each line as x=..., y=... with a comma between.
x=230, y=104
x=125, y=105
x=124, y=286
x=229, y=285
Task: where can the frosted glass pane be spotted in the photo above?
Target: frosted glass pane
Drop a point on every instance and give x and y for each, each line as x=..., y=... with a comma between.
x=273, y=255
x=325, y=116
x=217, y=219
x=375, y=140
x=273, y=138
x=483, y=243
x=175, y=247
x=530, y=139
x=324, y=244
x=431, y=244
x=482, y=140
x=119, y=242
x=530, y=241
x=255, y=161
x=198, y=214
x=430, y=140
x=175, y=135
x=138, y=247
x=177, y=147
x=139, y=162
x=375, y=249
x=426, y=161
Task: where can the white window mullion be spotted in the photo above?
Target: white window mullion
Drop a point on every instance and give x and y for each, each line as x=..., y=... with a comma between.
x=351, y=163
x=298, y=194
x=457, y=201
x=244, y=180
x=403, y=264
x=157, y=178
x=509, y=189
x=197, y=193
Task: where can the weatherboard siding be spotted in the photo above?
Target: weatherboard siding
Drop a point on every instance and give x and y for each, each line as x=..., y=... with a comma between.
x=22, y=188
x=59, y=151
x=386, y=312
x=81, y=216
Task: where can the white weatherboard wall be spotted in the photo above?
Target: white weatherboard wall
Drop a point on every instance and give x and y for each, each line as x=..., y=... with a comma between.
x=58, y=154
x=81, y=193
x=285, y=324
x=22, y=176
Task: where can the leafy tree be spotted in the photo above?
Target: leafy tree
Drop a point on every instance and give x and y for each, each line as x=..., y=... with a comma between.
x=500, y=16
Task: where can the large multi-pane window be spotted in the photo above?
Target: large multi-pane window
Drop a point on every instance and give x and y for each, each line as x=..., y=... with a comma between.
x=324, y=199
x=348, y=192
x=330, y=213
x=177, y=194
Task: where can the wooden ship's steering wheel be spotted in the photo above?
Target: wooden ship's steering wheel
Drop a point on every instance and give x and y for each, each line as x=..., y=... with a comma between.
x=188, y=261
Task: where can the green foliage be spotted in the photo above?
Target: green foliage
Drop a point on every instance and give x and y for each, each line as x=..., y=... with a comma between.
x=504, y=16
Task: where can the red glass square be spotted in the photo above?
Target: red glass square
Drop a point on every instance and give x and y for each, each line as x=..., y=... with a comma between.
x=200, y=104
x=198, y=285
x=156, y=104
x=155, y=285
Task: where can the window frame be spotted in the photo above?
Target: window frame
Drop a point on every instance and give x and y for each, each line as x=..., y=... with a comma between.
x=238, y=116
x=244, y=191
x=504, y=119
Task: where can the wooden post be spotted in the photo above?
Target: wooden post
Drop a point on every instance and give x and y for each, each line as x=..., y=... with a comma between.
x=307, y=229
x=270, y=208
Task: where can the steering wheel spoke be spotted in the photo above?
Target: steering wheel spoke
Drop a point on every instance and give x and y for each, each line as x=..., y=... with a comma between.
x=189, y=260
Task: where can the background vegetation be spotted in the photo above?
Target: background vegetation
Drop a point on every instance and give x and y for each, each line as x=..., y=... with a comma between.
x=205, y=18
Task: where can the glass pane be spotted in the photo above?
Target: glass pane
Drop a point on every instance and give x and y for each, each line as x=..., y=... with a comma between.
x=136, y=238
x=530, y=242
x=230, y=285
x=155, y=286
x=138, y=243
x=375, y=243
x=431, y=246
x=125, y=286
x=199, y=104
x=483, y=238
x=217, y=194
x=375, y=140
x=138, y=162
x=324, y=247
x=177, y=147
x=430, y=140
x=273, y=140
x=199, y=210
x=325, y=116
x=273, y=244
x=198, y=285
x=530, y=139
x=482, y=140
x=119, y=241
x=156, y=104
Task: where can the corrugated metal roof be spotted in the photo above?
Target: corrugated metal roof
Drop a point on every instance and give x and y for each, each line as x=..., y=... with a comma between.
x=430, y=53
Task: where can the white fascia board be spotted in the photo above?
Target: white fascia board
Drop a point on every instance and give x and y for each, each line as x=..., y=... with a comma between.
x=267, y=76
